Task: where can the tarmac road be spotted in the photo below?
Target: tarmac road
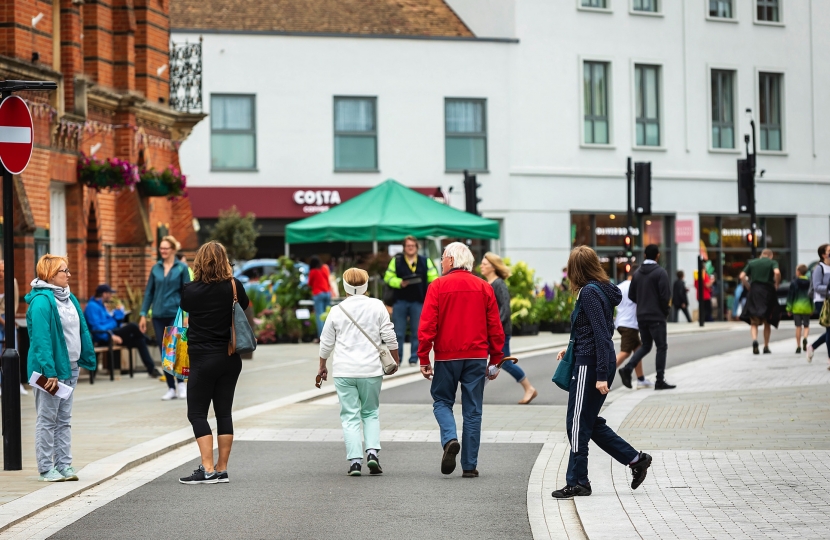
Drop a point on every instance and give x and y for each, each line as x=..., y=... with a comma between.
x=539, y=369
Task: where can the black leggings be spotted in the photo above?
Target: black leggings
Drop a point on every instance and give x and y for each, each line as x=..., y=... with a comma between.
x=213, y=377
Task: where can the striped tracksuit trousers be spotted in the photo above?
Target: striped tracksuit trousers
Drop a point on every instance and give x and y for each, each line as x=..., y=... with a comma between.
x=584, y=424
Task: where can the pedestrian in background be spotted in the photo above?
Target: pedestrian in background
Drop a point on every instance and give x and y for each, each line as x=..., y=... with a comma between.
x=680, y=298
x=106, y=326
x=650, y=291
x=496, y=272
x=13, y=327
x=59, y=345
x=461, y=322
x=182, y=258
x=761, y=277
x=705, y=306
x=820, y=279
x=214, y=370
x=800, y=306
x=593, y=328
x=163, y=294
x=626, y=323
x=357, y=370
x=320, y=285
x=408, y=275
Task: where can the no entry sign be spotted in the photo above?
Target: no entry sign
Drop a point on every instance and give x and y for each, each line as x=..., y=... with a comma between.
x=16, y=134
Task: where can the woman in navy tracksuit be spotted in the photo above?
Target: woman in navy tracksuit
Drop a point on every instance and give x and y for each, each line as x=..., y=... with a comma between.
x=594, y=367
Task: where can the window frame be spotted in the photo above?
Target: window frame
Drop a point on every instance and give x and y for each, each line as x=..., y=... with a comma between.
x=710, y=17
x=782, y=108
x=485, y=136
x=367, y=134
x=711, y=69
x=661, y=117
x=656, y=13
x=252, y=131
x=756, y=20
x=606, y=9
x=609, y=82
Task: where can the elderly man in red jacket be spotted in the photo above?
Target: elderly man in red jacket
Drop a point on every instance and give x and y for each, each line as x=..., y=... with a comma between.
x=460, y=320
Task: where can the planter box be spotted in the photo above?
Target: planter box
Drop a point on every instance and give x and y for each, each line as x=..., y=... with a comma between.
x=546, y=326
x=153, y=187
x=561, y=328
x=526, y=330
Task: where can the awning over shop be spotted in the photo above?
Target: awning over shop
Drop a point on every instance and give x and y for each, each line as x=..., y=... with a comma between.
x=388, y=213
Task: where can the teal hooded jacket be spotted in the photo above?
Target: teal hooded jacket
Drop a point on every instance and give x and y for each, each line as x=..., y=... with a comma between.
x=47, y=347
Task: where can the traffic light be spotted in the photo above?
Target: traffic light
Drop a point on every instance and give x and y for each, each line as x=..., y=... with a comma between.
x=471, y=193
x=627, y=243
x=749, y=239
x=746, y=187
x=642, y=188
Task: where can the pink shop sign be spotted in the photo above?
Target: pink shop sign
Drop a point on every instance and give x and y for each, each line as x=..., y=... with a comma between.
x=684, y=231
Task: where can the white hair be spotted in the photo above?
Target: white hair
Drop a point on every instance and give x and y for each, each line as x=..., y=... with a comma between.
x=461, y=255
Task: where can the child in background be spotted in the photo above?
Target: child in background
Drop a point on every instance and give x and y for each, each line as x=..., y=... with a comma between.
x=800, y=306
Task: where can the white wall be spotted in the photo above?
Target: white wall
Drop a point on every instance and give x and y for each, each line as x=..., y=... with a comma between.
x=487, y=18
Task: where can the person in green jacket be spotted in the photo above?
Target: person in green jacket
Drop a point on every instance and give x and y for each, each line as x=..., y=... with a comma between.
x=59, y=345
x=800, y=306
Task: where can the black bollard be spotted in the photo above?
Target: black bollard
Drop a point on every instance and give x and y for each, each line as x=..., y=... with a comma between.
x=12, y=449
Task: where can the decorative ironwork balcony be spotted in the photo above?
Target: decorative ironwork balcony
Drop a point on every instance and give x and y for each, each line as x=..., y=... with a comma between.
x=186, y=76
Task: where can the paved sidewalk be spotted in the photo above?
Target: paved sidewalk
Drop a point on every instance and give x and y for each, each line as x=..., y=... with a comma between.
x=741, y=450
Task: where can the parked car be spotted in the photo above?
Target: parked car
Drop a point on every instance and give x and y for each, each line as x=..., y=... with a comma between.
x=255, y=274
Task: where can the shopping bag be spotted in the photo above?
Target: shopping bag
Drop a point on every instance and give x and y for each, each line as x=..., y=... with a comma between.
x=174, y=359
x=824, y=316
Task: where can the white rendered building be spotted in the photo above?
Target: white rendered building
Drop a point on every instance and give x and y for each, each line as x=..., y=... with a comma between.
x=543, y=99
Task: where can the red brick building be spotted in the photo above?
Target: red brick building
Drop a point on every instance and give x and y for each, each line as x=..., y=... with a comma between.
x=110, y=59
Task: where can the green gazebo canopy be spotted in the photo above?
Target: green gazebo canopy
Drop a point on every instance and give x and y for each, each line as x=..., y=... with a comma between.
x=388, y=213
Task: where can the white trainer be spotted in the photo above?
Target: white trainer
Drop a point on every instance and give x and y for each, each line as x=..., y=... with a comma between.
x=645, y=383
x=171, y=394
x=810, y=353
x=182, y=390
x=23, y=391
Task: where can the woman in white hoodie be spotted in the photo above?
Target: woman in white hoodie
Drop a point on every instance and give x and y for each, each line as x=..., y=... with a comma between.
x=358, y=372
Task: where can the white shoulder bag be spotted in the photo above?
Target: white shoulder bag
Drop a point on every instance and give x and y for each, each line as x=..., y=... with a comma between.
x=386, y=360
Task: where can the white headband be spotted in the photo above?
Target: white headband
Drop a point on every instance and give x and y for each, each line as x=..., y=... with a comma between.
x=355, y=291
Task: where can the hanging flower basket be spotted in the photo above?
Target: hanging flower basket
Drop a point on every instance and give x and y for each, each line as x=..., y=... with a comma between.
x=170, y=183
x=113, y=174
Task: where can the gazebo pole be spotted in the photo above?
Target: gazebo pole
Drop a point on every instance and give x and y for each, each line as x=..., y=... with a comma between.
x=287, y=249
x=375, y=252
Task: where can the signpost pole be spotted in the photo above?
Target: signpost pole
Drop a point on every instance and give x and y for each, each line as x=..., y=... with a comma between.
x=700, y=284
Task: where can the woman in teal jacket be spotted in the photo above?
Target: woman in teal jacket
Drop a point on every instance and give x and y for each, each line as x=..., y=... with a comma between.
x=59, y=345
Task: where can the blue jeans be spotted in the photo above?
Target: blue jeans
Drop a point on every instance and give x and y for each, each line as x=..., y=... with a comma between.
x=513, y=369
x=402, y=310
x=447, y=375
x=53, y=436
x=159, y=324
x=321, y=302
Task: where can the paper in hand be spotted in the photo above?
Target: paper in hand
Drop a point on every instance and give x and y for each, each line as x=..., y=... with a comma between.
x=38, y=381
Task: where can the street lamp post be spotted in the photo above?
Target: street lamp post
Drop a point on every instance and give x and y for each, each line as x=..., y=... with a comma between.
x=753, y=218
x=10, y=360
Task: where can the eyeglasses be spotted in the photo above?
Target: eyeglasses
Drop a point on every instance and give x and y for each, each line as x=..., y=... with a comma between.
x=65, y=271
x=165, y=249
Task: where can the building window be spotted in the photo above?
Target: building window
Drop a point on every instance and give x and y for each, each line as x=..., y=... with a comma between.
x=723, y=109
x=720, y=9
x=647, y=88
x=769, y=95
x=466, y=134
x=595, y=83
x=769, y=11
x=355, y=134
x=649, y=6
x=232, y=132
x=597, y=4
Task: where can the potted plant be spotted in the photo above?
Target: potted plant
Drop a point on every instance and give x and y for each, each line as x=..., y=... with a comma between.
x=113, y=173
x=563, y=305
x=169, y=183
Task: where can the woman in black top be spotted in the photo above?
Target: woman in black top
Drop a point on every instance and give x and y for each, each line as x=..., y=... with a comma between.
x=594, y=369
x=208, y=299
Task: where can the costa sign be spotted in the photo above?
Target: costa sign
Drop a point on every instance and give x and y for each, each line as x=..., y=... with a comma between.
x=16, y=134
x=316, y=201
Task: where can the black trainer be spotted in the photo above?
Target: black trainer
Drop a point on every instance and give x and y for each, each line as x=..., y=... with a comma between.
x=200, y=476
x=625, y=377
x=798, y=350
x=640, y=469
x=755, y=348
x=766, y=350
x=472, y=473
x=451, y=450
x=373, y=463
x=663, y=385
x=804, y=344
x=222, y=477
x=354, y=470
x=569, y=492
x=154, y=373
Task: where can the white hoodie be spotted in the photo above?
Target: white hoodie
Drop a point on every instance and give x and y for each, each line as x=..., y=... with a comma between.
x=354, y=355
x=70, y=321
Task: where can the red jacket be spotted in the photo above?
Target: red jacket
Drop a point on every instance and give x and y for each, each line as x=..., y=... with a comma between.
x=460, y=318
x=318, y=280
